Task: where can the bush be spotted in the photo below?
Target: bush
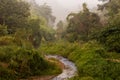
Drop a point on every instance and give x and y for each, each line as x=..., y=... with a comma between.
x=6, y=40
x=3, y=30
x=110, y=38
x=6, y=74
x=23, y=63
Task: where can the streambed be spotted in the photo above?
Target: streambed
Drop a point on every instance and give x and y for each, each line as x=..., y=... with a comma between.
x=69, y=71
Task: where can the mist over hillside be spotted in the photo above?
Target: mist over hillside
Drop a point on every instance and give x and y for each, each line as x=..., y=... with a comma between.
x=59, y=40
x=61, y=8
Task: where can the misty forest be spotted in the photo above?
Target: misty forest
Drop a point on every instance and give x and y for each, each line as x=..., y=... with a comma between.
x=84, y=46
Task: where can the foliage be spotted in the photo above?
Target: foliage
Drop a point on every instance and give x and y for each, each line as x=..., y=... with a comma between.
x=90, y=59
x=6, y=40
x=3, y=30
x=47, y=33
x=110, y=37
x=83, y=78
x=20, y=33
x=17, y=62
x=14, y=14
x=44, y=14
x=35, y=36
x=82, y=24
x=59, y=30
x=112, y=6
x=43, y=10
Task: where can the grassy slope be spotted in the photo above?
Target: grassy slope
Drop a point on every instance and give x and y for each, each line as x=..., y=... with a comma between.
x=90, y=59
x=22, y=61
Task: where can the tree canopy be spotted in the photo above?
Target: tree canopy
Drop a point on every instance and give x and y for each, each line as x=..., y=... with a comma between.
x=45, y=11
x=81, y=24
x=13, y=13
x=110, y=35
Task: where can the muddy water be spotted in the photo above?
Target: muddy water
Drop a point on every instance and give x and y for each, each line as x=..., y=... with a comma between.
x=69, y=71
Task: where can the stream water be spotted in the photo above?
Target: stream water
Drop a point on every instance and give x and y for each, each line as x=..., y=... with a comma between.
x=69, y=71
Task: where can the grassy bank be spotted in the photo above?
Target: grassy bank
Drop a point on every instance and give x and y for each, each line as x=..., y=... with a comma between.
x=90, y=58
x=17, y=62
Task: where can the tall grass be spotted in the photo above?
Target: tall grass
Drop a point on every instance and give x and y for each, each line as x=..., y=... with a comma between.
x=18, y=62
x=90, y=59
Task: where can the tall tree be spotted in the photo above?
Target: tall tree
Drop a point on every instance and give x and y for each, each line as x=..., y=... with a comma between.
x=44, y=11
x=81, y=24
x=13, y=13
x=112, y=6
x=59, y=29
x=110, y=36
x=35, y=37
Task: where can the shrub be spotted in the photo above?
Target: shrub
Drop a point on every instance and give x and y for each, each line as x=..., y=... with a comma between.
x=23, y=63
x=6, y=40
x=3, y=30
x=110, y=37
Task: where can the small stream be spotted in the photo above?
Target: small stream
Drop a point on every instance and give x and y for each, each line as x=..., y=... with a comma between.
x=69, y=71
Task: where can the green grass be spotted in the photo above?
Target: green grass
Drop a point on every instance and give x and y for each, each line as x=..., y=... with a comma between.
x=18, y=62
x=90, y=59
x=23, y=63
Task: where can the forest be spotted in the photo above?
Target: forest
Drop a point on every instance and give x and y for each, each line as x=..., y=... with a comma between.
x=89, y=39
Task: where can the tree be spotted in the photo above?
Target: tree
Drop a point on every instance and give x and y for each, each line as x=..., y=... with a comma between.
x=35, y=37
x=13, y=13
x=81, y=24
x=112, y=6
x=59, y=29
x=44, y=11
x=3, y=30
x=110, y=35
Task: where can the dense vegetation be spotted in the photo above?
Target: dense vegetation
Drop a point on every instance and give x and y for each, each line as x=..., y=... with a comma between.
x=20, y=37
x=92, y=44
x=81, y=24
x=18, y=63
x=86, y=38
x=92, y=60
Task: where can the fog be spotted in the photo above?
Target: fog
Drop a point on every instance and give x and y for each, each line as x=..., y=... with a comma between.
x=61, y=8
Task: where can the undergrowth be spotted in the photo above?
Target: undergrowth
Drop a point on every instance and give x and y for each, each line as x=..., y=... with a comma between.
x=90, y=59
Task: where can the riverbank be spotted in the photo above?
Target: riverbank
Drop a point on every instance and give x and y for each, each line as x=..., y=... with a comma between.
x=90, y=59
x=68, y=69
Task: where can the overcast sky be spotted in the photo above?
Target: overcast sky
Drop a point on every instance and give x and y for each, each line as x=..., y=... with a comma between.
x=61, y=8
